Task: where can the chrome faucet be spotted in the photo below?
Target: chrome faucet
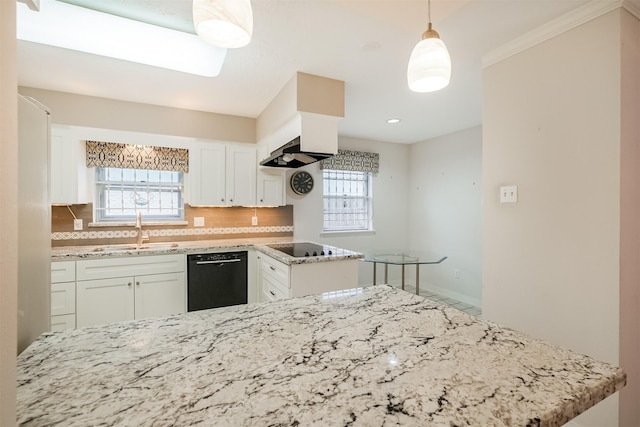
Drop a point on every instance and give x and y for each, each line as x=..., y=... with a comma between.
x=143, y=236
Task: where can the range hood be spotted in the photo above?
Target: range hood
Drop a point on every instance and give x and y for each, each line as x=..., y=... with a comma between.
x=290, y=155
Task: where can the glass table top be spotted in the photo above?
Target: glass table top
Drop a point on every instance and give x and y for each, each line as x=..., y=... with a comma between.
x=403, y=257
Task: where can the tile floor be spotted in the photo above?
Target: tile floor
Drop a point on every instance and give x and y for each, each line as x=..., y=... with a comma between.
x=467, y=308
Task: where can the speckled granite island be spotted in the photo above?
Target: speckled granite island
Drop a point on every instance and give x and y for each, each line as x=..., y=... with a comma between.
x=372, y=356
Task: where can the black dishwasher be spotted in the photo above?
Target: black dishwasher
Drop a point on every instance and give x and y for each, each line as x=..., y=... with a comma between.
x=216, y=280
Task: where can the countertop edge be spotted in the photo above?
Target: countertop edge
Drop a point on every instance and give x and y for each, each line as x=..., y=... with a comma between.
x=78, y=253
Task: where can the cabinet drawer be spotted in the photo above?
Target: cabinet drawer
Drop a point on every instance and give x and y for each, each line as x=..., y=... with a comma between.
x=63, y=271
x=63, y=298
x=65, y=321
x=278, y=271
x=273, y=289
x=130, y=266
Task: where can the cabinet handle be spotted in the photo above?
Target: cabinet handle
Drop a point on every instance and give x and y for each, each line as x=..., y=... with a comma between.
x=129, y=284
x=231, y=200
x=271, y=292
x=137, y=283
x=261, y=200
x=272, y=268
x=222, y=200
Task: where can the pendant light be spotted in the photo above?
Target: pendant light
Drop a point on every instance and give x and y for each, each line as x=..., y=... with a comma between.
x=430, y=65
x=224, y=23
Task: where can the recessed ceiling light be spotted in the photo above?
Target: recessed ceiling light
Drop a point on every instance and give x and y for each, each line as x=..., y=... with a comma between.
x=393, y=121
x=77, y=28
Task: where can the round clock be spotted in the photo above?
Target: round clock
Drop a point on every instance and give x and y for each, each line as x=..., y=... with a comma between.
x=301, y=182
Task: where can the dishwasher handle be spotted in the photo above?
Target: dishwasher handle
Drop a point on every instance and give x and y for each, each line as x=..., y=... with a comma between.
x=219, y=261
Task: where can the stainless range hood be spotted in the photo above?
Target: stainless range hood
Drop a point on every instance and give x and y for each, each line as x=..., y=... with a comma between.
x=290, y=155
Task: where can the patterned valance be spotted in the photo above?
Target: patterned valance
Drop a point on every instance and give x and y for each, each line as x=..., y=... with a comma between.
x=130, y=156
x=348, y=160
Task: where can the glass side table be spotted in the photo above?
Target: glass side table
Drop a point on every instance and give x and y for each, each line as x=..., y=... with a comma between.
x=402, y=258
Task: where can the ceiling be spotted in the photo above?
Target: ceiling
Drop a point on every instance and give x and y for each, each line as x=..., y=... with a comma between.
x=366, y=44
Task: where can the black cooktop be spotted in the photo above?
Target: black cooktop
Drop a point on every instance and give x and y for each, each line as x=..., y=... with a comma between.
x=303, y=249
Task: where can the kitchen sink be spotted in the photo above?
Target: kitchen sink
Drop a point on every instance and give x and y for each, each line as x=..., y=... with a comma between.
x=134, y=247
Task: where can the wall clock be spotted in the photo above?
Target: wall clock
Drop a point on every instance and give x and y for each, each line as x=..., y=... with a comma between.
x=301, y=182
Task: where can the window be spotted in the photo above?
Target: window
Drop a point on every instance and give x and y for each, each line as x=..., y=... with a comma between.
x=348, y=200
x=122, y=193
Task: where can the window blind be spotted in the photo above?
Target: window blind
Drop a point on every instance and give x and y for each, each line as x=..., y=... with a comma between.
x=349, y=160
x=130, y=156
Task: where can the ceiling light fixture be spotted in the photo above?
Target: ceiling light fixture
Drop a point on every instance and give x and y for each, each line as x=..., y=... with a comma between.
x=393, y=121
x=430, y=65
x=77, y=28
x=224, y=23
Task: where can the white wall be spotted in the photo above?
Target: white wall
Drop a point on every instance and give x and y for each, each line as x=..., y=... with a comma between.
x=445, y=212
x=390, y=213
x=8, y=213
x=552, y=126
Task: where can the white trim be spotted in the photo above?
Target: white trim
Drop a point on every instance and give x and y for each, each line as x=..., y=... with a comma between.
x=579, y=16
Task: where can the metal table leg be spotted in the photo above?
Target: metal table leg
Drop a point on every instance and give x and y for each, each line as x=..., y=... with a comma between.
x=374, y=273
x=417, y=279
x=386, y=274
x=403, y=277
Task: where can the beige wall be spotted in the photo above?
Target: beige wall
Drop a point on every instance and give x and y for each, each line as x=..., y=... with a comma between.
x=89, y=111
x=8, y=213
x=303, y=92
x=551, y=263
x=630, y=221
x=445, y=212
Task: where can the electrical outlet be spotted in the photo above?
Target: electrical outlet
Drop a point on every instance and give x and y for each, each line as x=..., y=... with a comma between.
x=254, y=220
x=509, y=194
x=198, y=221
x=77, y=224
x=456, y=273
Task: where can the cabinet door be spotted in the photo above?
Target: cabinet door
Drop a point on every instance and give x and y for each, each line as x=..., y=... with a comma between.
x=271, y=188
x=241, y=176
x=68, y=173
x=207, y=175
x=160, y=295
x=104, y=301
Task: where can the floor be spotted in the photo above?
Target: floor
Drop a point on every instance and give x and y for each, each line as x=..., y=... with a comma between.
x=467, y=308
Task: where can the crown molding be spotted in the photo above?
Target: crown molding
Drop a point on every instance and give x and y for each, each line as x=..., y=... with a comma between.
x=579, y=16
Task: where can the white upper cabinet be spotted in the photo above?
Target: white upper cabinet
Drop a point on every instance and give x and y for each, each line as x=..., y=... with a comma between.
x=207, y=174
x=222, y=175
x=68, y=169
x=241, y=175
x=270, y=185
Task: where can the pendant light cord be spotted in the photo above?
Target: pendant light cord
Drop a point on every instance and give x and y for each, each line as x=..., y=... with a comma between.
x=429, y=10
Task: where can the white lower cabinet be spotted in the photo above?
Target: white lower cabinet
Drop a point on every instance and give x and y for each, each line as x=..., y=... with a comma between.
x=273, y=279
x=113, y=294
x=277, y=280
x=63, y=295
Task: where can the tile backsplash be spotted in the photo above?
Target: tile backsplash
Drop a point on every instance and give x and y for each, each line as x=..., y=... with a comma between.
x=219, y=223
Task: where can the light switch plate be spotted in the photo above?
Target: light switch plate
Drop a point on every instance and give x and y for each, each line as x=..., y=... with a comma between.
x=254, y=220
x=509, y=194
x=77, y=224
x=198, y=221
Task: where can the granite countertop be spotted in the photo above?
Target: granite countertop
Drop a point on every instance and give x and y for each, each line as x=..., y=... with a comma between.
x=71, y=253
x=372, y=356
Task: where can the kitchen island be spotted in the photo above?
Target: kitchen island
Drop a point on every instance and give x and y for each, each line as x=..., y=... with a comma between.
x=366, y=356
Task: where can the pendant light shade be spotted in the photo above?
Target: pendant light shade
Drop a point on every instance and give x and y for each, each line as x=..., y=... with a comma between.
x=224, y=23
x=429, y=65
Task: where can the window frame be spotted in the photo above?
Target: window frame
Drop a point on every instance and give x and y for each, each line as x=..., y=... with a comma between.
x=101, y=184
x=368, y=198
